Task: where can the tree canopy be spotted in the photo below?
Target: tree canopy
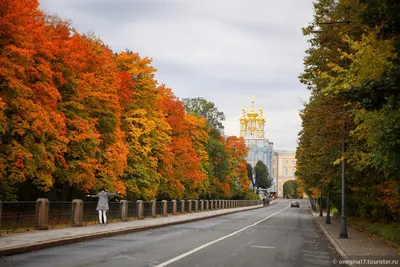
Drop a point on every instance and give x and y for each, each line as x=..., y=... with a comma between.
x=352, y=69
x=76, y=117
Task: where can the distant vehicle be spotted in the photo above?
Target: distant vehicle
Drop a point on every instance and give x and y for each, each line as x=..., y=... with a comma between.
x=295, y=204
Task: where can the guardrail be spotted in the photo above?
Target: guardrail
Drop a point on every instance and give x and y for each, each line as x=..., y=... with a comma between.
x=43, y=215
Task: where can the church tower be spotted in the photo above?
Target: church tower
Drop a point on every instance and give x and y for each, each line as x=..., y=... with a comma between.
x=252, y=123
x=252, y=129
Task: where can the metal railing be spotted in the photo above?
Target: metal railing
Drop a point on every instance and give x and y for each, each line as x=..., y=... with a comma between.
x=132, y=209
x=170, y=207
x=187, y=203
x=60, y=214
x=159, y=208
x=90, y=214
x=18, y=216
x=179, y=207
x=24, y=216
x=147, y=209
x=193, y=206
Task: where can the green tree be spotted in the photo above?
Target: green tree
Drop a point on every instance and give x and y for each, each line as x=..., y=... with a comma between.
x=262, y=177
x=250, y=174
x=291, y=188
x=218, y=166
x=205, y=109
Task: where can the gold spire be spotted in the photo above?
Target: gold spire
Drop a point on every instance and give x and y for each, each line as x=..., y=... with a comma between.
x=260, y=117
x=243, y=118
x=252, y=114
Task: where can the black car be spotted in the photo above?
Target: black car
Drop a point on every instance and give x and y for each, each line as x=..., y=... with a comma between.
x=295, y=204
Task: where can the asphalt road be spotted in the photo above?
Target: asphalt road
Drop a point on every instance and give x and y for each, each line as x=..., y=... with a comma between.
x=273, y=236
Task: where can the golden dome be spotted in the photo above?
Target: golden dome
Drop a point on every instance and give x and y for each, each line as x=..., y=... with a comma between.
x=252, y=113
x=260, y=118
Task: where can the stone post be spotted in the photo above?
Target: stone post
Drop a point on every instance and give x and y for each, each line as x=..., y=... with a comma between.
x=201, y=205
x=196, y=205
x=123, y=207
x=164, y=208
x=211, y=204
x=42, y=214
x=207, y=205
x=183, y=206
x=215, y=204
x=139, y=209
x=190, y=206
x=174, y=210
x=77, y=212
x=153, y=208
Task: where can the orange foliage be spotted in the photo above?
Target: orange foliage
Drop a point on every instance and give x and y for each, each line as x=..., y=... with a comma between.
x=72, y=112
x=182, y=170
x=238, y=153
x=35, y=131
x=146, y=130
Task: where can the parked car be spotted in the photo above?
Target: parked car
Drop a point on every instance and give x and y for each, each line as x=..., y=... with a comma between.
x=295, y=204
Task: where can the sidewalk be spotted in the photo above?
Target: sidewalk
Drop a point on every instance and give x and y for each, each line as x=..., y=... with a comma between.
x=36, y=240
x=360, y=248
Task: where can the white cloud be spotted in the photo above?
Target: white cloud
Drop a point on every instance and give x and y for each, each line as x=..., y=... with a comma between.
x=222, y=50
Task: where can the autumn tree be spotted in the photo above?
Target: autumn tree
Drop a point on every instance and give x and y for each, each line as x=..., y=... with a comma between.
x=32, y=129
x=183, y=171
x=239, y=183
x=89, y=86
x=356, y=64
x=147, y=132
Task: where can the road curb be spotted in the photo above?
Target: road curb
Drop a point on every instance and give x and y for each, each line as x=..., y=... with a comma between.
x=332, y=240
x=88, y=237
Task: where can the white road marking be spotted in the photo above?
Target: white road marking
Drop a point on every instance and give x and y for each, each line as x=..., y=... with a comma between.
x=262, y=247
x=215, y=241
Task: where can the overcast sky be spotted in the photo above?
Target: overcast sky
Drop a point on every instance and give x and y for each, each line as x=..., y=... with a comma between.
x=222, y=50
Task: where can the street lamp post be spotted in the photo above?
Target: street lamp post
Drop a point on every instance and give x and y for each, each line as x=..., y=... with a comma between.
x=343, y=225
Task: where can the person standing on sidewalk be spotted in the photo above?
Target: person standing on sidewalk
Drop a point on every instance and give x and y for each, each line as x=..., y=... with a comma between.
x=102, y=204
